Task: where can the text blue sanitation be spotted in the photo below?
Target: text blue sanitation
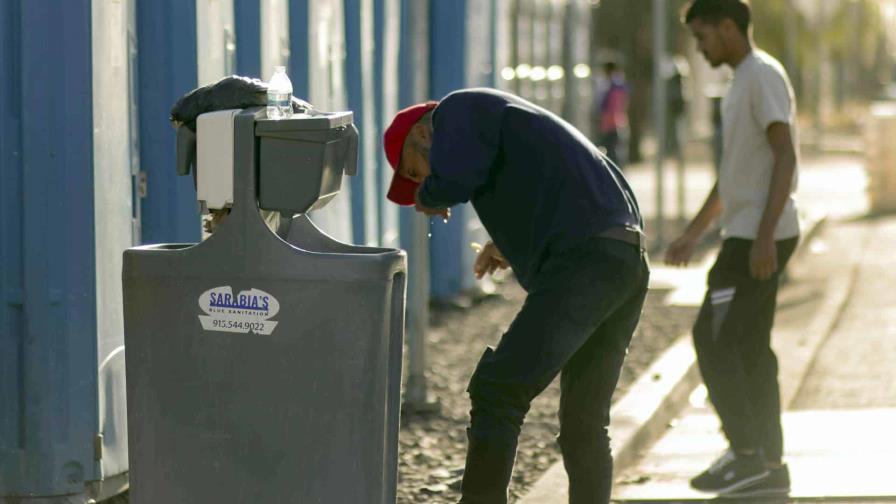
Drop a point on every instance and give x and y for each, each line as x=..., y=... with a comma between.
x=248, y=311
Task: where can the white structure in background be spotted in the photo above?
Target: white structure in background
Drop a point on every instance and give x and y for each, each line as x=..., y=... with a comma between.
x=274, y=36
x=215, y=40
x=113, y=207
x=880, y=156
x=389, y=232
x=326, y=91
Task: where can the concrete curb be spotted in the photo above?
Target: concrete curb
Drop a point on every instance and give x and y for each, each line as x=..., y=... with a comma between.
x=640, y=417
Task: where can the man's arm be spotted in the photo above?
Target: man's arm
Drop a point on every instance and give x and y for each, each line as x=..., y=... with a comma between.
x=764, y=256
x=708, y=213
x=429, y=209
x=465, y=144
x=681, y=250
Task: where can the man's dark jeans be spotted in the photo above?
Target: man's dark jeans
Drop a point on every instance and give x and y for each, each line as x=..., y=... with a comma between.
x=577, y=321
x=732, y=337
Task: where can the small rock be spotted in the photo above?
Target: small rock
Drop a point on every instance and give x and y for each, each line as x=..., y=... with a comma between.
x=435, y=489
x=441, y=473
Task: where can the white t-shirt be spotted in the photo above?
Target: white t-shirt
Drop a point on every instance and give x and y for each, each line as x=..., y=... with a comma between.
x=760, y=94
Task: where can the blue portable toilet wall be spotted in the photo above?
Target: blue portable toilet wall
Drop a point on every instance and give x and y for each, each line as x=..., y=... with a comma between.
x=359, y=63
x=247, y=26
x=166, y=33
x=387, y=23
x=66, y=208
x=317, y=71
x=460, y=57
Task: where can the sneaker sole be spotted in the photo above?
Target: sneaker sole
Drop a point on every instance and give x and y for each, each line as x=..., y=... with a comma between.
x=765, y=492
x=723, y=492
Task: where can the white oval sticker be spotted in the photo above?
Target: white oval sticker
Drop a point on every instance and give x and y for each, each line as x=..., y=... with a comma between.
x=248, y=311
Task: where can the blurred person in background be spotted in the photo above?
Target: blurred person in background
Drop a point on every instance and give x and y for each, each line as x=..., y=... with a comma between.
x=610, y=112
x=754, y=199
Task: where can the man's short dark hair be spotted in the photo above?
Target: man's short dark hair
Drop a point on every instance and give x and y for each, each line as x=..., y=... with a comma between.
x=714, y=11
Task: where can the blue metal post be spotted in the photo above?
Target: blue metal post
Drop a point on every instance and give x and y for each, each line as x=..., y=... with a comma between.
x=247, y=18
x=166, y=30
x=48, y=426
x=447, y=73
x=359, y=44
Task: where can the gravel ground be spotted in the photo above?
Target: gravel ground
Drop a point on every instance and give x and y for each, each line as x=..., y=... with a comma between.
x=433, y=445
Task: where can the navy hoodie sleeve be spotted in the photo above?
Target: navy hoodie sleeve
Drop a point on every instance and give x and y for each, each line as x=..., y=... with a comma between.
x=465, y=143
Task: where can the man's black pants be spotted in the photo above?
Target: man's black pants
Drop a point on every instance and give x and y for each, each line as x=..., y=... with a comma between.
x=577, y=321
x=732, y=337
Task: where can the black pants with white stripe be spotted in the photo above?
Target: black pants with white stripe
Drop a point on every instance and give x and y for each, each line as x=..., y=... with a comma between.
x=732, y=337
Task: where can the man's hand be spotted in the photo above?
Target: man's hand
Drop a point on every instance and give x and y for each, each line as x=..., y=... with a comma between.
x=763, y=259
x=489, y=260
x=445, y=213
x=680, y=251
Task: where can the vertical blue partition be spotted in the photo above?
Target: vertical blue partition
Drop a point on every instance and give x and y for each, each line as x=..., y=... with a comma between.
x=359, y=42
x=12, y=255
x=447, y=51
x=48, y=341
x=460, y=56
x=166, y=30
x=247, y=17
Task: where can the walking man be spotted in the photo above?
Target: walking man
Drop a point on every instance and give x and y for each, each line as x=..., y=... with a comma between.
x=567, y=223
x=754, y=197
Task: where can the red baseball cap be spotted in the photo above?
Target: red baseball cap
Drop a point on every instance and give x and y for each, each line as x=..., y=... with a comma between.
x=402, y=189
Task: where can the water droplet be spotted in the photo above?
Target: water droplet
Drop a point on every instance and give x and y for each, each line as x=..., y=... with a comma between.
x=429, y=235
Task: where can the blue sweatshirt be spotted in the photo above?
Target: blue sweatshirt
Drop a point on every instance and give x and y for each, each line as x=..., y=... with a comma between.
x=538, y=185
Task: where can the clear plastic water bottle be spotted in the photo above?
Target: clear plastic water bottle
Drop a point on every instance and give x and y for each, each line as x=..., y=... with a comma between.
x=279, y=95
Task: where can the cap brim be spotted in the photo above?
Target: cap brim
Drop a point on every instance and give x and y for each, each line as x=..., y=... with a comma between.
x=402, y=190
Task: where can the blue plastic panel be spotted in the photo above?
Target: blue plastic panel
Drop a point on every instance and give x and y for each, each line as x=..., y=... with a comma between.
x=49, y=412
x=359, y=79
x=447, y=73
x=12, y=248
x=166, y=30
x=247, y=16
